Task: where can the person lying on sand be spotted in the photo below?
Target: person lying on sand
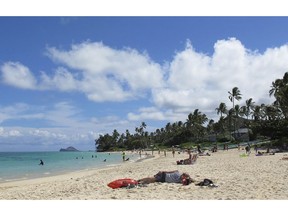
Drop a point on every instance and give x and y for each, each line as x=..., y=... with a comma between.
x=168, y=177
x=204, y=154
x=264, y=153
x=191, y=160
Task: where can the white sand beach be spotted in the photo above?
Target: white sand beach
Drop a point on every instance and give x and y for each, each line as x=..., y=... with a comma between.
x=255, y=185
x=237, y=178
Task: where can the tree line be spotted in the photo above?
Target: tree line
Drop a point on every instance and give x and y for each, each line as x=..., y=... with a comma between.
x=260, y=120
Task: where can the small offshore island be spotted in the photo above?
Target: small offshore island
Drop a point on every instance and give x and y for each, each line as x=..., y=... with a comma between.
x=69, y=149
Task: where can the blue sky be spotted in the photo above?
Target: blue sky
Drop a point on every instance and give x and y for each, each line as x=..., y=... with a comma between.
x=65, y=80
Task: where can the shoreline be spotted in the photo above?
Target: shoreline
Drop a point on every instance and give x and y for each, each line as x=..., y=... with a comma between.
x=62, y=170
x=237, y=178
x=71, y=174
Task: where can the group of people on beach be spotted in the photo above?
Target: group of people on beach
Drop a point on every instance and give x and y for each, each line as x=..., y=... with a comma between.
x=184, y=178
x=177, y=177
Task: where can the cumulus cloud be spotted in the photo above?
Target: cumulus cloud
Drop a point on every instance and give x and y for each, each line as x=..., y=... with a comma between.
x=62, y=80
x=18, y=75
x=109, y=74
x=100, y=72
x=199, y=81
x=148, y=113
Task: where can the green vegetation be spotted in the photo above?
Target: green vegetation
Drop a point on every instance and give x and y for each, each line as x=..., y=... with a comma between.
x=259, y=121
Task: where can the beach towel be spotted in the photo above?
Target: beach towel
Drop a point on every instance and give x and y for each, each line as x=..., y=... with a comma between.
x=119, y=183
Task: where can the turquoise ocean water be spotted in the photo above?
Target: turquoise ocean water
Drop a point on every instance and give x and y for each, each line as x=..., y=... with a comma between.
x=25, y=165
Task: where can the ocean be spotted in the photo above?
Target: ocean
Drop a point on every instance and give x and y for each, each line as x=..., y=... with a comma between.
x=25, y=165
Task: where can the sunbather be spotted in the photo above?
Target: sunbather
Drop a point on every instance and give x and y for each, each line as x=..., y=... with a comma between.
x=191, y=160
x=169, y=177
x=204, y=154
x=264, y=153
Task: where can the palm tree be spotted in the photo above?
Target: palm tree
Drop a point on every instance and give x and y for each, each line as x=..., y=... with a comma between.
x=237, y=112
x=230, y=116
x=115, y=136
x=275, y=88
x=142, y=134
x=246, y=110
x=280, y=91
x=221, y=109
x=195, y=122
x=168, y=127
x=234, y=95
x=257, y=113
x=210, y=127
x=221, y=126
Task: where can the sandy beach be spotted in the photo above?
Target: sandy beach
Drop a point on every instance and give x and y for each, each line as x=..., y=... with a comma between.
x=237, y=178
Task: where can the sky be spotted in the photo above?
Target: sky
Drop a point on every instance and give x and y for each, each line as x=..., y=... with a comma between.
x=64, y=80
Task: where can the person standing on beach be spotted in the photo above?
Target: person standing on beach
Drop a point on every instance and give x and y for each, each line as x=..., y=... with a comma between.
x=123, y=156
x=173, y=151
x=189, y=152
x=199, y=149
x=256, y=148
x=247, y=148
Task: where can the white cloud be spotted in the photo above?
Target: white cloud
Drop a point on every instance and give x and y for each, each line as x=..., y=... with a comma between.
x=62, y=80
x=108, y=74
x=18, y=75
x=13, y=112
x=9, y=133
x=148, y=113
x=100, y=72
x=64, y=125
x=50, y=139
x=197, y=80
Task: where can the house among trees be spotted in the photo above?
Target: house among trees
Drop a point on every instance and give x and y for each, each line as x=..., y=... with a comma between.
x=242, y=134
